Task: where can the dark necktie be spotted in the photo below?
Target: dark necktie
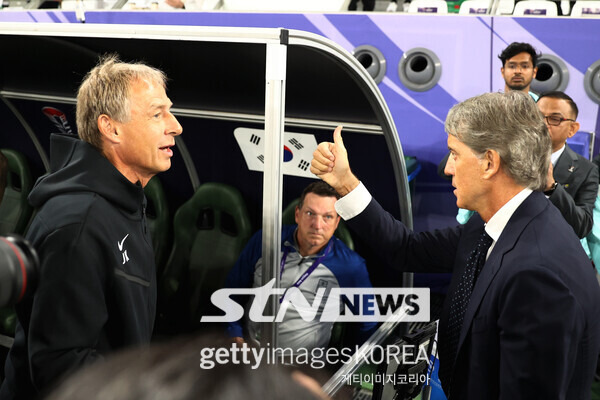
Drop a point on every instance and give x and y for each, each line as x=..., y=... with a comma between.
x=460, y=301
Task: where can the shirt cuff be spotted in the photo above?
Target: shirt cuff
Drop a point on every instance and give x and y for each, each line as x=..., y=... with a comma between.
x=354, y=202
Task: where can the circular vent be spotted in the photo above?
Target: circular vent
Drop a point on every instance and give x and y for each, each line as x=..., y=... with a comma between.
x=552, y=74
x=373, y=61
x=420, y=69
x=591, y=82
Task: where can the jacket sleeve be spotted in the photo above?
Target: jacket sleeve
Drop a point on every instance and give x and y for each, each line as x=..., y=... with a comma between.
x=242, y=276
x=402, y=249
x=69, y=306
x=578, y=210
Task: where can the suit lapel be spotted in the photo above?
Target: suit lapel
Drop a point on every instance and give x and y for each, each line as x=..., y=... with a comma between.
x=565, y=167
x=531, y=207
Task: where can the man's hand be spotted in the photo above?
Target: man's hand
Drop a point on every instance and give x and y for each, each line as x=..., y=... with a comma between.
x=550, y=178
x=330, y=163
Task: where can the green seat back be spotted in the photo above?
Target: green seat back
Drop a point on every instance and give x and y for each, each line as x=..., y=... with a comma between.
x=15, y=213
x=289, y=218
x=210, y=231
x=15, y=210
x=157, y=216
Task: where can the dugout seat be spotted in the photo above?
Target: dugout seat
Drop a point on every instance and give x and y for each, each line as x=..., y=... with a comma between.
x=157, y=216
x=210, y=231
x=15, y=210
x=15, y=213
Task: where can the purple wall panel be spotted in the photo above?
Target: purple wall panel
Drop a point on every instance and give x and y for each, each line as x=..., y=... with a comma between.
x=575, y=41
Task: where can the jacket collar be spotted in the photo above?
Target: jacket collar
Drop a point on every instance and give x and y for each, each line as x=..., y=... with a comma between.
x=566, y=165
x=76, y=166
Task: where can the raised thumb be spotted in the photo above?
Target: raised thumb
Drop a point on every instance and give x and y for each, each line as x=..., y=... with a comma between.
x=337, y=138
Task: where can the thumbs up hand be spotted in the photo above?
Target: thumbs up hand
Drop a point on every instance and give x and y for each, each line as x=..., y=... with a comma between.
x=330, y=163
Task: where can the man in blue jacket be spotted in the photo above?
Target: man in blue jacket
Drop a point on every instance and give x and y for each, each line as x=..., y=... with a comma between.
x=310, y=248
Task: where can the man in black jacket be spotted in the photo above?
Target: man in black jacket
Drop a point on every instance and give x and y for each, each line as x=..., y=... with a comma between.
x=572, y=181
x=97, y=285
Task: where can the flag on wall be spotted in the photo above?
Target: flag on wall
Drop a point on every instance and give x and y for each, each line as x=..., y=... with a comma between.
x=298, y=149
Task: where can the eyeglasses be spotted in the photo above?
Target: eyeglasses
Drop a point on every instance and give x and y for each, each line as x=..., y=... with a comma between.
x=555, y=120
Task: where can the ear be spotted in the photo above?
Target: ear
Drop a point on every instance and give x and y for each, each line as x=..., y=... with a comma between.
x=108, y=129
x=490, y=164
x=337, y=221
x=297, y=215
x=573, y=129
x=535, y=72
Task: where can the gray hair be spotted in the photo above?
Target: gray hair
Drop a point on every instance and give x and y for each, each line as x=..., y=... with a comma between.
x=511, y=124
x=106, y=90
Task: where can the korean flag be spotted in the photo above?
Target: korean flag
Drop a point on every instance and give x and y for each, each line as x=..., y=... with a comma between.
x=298, y=149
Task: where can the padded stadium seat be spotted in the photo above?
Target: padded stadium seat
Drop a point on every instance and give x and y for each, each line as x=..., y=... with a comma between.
x=286, y=5
x=15, y=213
x=472, y=7
x=413, y=167
x=210, y=231
x=157, y=215
x=505, y=7
x=586, y=9
x=15, y=210
x=536, y=7
x=582, y=143
x=428, y=7
x=288, y=217
x=8, y=321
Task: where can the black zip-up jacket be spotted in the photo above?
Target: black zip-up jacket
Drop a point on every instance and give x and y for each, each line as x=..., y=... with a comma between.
x=96, y=290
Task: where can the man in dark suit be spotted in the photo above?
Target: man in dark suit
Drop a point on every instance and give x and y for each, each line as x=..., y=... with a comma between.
x=572, y=182
x=522, y=318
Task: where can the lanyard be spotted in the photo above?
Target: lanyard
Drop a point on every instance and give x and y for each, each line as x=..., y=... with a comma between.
x=307, y=273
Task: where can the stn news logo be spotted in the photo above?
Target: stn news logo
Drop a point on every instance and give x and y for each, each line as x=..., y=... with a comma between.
x=337, y=304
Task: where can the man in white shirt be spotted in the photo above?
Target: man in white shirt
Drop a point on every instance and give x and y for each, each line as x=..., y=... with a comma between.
x=522, y=317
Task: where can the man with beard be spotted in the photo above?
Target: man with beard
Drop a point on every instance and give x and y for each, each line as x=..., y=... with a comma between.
x=519, y=67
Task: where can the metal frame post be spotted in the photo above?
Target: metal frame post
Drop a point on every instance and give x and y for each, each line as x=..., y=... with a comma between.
x=273, y=178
